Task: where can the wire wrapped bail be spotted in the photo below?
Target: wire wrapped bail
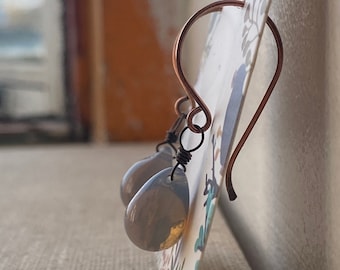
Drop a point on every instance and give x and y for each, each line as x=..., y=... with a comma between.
x=183, y=155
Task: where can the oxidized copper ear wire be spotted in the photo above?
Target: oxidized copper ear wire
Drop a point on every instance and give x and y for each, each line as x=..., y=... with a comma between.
x=198, y=104
x=279, y=45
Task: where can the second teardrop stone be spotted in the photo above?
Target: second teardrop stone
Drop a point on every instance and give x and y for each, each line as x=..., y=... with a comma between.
x=142, y=171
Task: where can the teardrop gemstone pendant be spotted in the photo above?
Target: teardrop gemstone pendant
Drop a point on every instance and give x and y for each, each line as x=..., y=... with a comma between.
x=156, y=216
x=142, y=171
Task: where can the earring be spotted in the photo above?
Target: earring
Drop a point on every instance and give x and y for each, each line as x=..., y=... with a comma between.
x=140, y=172
x=157, y=215
x=155, y=192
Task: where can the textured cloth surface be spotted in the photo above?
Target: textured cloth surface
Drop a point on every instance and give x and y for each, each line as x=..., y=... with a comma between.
x=60, y=209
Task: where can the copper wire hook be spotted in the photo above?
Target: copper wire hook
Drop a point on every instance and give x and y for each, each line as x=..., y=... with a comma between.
x=176, y=60
x=178, y=104
x=195, y=98
x=279, y=45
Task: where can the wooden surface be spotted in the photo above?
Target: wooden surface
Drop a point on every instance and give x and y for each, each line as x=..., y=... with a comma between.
x=119, y=67
x=140, y=86
x=99, y=128
x=78, y=62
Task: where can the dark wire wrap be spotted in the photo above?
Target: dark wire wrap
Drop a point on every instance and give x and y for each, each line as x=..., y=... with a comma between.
x=184, y=156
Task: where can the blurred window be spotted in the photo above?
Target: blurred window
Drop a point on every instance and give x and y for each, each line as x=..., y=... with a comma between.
x=21, y=30
x=31, y=62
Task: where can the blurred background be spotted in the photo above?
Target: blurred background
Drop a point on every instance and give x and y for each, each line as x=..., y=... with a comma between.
x=33, y=91
x=101, y=71
x=88, y=70
x=77, y=77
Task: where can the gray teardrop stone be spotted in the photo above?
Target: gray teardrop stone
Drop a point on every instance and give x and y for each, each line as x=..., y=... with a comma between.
x=156, y=216
x=142, y=171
